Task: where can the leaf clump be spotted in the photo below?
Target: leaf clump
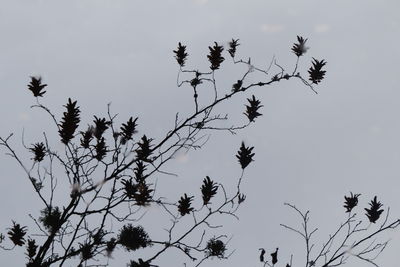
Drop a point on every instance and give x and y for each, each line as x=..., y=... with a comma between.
x=215, y=248
x=184, y=205
x=128, y=129
x=351, y=202
x=133, y=237
x=50, y=218
x=69, y=122
x=300, y=48
x=316, y=72
x=232, y=47
x=374, y=211
x=252, y=109
x=215, y=56
x=245, y=155
x=17, y=234
x=39, y=151
x=36, y=86
x=208, y=190
x=181, y=54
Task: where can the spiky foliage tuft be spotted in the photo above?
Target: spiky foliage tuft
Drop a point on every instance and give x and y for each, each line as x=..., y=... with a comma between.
x=139, y=263
x=215, y=57
x=374, y=211
x=110, y=246
x=139, y=171
x=39, y=151
x=300, y=48
x=69, y=122
x=31, y=248
x=215, y=248
x=232, y=47
x=130, y=188
x=17, y=234
x=143, y=196
x=128, y=129
x=184, y=205
x=98, y=237
x=100, y=126
x=37, y=263
x=252, y=109
x=208, y=190
x=87, y=251
x=87, y=137
x=245, y=155
x=140, y=191
x=133, y=237
x=50, y=218
x=36, y=86
x=237, y=86
x=351, y=201
x=181, y=54
x=101, y=149
x=316, y=72
x=144, y=149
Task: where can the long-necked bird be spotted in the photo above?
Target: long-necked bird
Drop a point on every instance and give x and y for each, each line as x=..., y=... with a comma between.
x=274, y=256
x=262, y=254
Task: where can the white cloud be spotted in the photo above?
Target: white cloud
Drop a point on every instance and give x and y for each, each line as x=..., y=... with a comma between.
x=272, y=28
x=321, y=28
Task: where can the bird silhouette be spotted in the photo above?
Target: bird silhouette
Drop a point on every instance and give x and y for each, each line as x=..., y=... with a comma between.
x=262, y=254
x=274, y=256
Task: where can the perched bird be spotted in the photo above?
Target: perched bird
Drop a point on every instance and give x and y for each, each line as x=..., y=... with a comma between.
x=274, y=256
x=262, y=254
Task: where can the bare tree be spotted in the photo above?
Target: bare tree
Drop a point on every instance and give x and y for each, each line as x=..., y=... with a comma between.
x=110, y=173
x=354, y=237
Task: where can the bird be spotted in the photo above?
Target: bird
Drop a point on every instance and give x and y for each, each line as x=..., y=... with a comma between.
x=274, y=256
x=262, y=254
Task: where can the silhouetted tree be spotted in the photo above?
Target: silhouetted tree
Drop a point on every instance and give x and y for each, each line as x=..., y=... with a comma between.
x=354, y=237
x=110, y=171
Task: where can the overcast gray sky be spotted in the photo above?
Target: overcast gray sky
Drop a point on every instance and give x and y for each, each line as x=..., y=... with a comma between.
x=310, y=149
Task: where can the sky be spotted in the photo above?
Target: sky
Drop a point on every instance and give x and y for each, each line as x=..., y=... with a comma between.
x=310, y=149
